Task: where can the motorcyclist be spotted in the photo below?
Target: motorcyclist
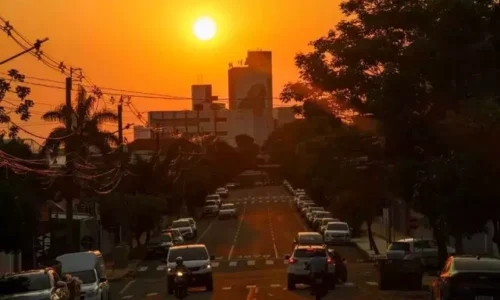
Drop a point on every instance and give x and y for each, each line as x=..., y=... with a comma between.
x=180, y=267
x=318, y=268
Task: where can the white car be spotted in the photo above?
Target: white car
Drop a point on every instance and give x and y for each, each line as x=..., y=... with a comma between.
x=227, y=210
x=197, y=260
x=192, y=222
x=297, y=271
x=324, y=223
x=210, y=210
x=184, y=227
x=215, y=197
x=425, y=250
x=337, y=232
x=223, y=192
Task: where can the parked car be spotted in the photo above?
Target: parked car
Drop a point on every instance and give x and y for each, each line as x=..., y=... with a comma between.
x=227, y=210
x=214, y=197
x=210, y=210
x=337, y=233
x=424, y=250
x=33, y=284
x=159, y=245
x=184, y=227
x=297, y=262
x=223, y=192
x=308, y=238
x=176, y=235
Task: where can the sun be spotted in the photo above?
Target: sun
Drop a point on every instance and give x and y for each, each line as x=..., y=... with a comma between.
x=204, y=28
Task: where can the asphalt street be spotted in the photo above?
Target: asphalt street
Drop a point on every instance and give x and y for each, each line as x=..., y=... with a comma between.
x=250, y=254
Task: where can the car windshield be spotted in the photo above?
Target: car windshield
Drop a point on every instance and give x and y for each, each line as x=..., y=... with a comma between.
x=306, y=253
x=399, y=246
x=85, y=276
x=311, y=239
x=337, y=226
x=160, y=239
x=180, y=224
x=24, y=283
x=187, y=254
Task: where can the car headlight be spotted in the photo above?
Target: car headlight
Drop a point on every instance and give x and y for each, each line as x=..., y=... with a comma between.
x=93, y=293
x=180, y=274
x=169, y=270
x=207, y=266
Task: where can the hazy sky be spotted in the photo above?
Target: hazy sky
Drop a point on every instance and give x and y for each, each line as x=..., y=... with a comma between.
x=149, y=45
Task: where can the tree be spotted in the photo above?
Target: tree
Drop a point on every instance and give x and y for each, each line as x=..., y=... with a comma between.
x=247, y=150
x=20, y=201
x=7, y=85
x=85, y=134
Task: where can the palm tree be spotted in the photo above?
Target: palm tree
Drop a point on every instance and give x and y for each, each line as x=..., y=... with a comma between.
x=84, y=133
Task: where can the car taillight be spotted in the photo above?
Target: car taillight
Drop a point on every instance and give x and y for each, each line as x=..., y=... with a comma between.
x=292, y=260
x=329, y=260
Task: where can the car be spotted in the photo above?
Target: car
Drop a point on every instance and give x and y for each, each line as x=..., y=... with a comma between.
x=214, y=197
x=197, y=260
x=176, y=235
x=312, y=215
x=337, y=232
x=223, y=192
x=325, y=222
x=90, y=268
x=210, y=210
x=184, y=227
x=159, y=245
x=425, y=250
x=298, y=261
x=308, y=238
x=192, y=222
x=227, y=210
x=308, y=208
x=32, y=284
x=231, y=185
x=305, y=203
x=468, y=277
x=340, y=265
x=317, y=216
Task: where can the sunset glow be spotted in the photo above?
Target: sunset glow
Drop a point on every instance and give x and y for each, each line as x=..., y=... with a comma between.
x=204, y=28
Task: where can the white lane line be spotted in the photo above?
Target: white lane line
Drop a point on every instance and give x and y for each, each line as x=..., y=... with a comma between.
x=275, y=285
x=226, y=288
x=272, y=232
x=215, y=264
x=128, y=297
x=266, y=256
x=233, y=263
x=372, y=283
x=205, y=232
x=347, y=284
x=247, y=256
x=237, y=233
x=142, y=269
x=256, y=255
x=253, y=201
x=275, y=250
x=251, y=262
x=269, y=262
x=161, y=267
x=251, y=286
x=126, y=287
x=151, y=294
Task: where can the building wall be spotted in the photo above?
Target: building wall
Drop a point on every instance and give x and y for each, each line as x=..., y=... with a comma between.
x=283, y=115
x=141, y=132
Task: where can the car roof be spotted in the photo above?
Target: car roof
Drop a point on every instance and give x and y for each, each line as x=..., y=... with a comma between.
x=188, y=246
x=337, y=222
x=475, y=263
x=76, y=262
x=302, y=233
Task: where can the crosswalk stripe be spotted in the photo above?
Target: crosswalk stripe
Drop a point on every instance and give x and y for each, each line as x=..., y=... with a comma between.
x=161, y=267
x=226, y=288
x=275, y=285
x=219, y=258
x=347, y=284
x=251, y=262
x=215, y=264
x=233, y=263
x=269, y=262
x=142, y=269
x=266, y=256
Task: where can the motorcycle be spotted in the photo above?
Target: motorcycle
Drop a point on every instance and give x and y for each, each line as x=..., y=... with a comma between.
x=180, y=286
x=318, y=285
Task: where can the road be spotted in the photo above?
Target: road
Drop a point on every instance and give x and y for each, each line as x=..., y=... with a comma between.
x=249, y=255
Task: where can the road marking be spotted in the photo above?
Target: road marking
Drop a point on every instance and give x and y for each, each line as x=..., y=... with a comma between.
x=275, y=285
x=269, y=262
x=347, y=284
x=215, y=264
x=126, y=287
x=128, y=297
x=161, y=267
x=256, y=255
x=275, y=250
x=372, y=283
x=253, y=201
x=151, y=294
x=272, y=232
x=233, y=263
x=248, y=256
x=266, y=256
x=226, y=288
x=236, y=235
x=251, y=262
x=251, y=286
x=218, y=258
x=268, y=201
x=275, y=201
x=142, y=269
x=205, y=232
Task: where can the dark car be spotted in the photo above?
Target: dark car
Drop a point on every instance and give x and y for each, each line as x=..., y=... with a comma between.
x=176, y=235
x=35, y=284
x=159, y=245
x=340, y=265
x=468, y=277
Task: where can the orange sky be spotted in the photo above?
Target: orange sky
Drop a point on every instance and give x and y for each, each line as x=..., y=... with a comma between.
x=149, y=45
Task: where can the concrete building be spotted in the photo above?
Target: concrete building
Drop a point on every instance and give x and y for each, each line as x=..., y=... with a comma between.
x=283, y=115
x=250, y=108
x=141, y=132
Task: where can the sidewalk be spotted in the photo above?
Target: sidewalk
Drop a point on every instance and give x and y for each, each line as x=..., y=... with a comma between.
x=117, y=274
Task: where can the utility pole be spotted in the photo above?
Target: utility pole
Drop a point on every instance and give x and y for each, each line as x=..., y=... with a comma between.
x=120, y=153
x=69, y=165
x=36, y=47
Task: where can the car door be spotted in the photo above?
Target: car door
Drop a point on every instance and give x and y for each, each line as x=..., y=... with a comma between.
x=430, y=254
